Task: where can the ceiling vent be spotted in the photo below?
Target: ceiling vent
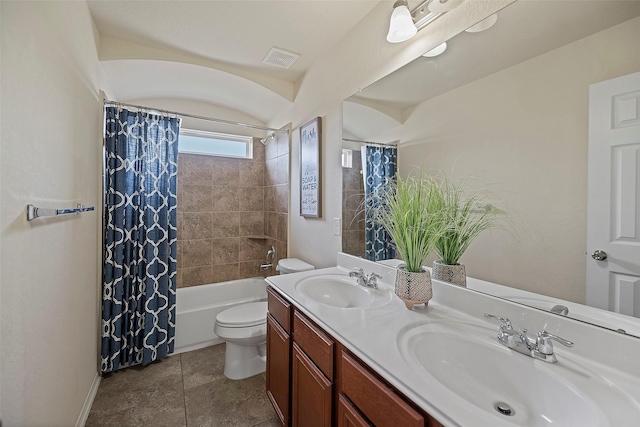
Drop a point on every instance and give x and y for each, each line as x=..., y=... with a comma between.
x=280, y=58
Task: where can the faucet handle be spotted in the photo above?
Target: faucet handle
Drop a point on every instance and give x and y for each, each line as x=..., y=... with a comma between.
x=356, y=272
x=544, y=345
x=506, y=323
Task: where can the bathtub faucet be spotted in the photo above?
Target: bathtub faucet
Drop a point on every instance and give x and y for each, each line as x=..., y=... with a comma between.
x=265, y=266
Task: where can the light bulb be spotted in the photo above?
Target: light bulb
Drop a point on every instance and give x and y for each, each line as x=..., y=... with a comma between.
x=401, y=26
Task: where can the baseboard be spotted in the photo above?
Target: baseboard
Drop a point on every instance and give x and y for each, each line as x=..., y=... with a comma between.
x=84, y=413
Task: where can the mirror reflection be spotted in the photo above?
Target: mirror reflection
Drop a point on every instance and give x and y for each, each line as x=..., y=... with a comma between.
x=510, y=106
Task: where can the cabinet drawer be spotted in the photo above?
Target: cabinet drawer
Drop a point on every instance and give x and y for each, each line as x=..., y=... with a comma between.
x=379, y=403
x=315, y=343
x=279, y=308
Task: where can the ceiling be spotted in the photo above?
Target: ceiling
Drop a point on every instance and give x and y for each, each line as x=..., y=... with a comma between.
x=525, y=29
x=236, y=35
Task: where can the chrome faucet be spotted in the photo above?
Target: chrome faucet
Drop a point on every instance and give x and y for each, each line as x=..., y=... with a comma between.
x=370, y=281
x=541, y=348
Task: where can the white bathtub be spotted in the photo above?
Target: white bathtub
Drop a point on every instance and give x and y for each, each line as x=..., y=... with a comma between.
x=198, y=306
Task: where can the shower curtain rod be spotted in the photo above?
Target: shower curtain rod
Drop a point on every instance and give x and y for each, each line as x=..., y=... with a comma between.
x=192, y=116
x=379, y=144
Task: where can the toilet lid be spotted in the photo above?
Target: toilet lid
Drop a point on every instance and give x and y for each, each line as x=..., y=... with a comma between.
x=243, y=315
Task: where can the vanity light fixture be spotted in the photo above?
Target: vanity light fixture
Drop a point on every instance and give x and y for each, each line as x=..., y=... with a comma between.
x=440, y=6
x=404, y=24
x=485, y=24
x=436, y=50
x=401, y=25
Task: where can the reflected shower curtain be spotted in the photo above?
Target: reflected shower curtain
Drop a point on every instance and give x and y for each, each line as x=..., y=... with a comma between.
x=139, y=276
x=379, y=168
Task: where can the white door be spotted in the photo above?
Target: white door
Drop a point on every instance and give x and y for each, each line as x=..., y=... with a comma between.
x=613, y=216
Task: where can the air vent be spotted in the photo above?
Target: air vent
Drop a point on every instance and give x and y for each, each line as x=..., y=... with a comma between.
x=280, y=58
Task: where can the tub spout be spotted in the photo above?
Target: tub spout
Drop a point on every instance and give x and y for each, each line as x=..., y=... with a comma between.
x=265, y=266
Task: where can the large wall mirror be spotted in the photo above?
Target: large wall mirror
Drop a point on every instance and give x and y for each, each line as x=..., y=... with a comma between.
x=509, y=106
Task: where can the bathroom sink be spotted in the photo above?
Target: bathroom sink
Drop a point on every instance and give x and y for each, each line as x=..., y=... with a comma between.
x=341, y=291
x=467, y=360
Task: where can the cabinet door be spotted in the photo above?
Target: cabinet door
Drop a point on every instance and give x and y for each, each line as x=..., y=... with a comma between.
x=312, y=391
x=348, y=416
x=278, y=369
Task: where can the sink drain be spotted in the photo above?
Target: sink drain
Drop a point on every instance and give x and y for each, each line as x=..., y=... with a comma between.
x=503, y=408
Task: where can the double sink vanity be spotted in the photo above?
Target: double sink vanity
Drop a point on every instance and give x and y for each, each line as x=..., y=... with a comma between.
x=348, y=353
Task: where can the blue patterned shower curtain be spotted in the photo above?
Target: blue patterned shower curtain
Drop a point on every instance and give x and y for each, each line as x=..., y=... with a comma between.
x=380, y=168
x=139, y=276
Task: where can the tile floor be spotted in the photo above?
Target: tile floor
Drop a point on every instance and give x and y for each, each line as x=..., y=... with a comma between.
x=187, y=389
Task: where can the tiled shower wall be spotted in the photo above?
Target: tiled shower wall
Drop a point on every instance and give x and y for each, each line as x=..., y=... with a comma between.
x=352, y=198
x=276, y=190
x=222, y=216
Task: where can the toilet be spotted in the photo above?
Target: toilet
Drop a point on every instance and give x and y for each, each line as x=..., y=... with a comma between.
x=244, y=329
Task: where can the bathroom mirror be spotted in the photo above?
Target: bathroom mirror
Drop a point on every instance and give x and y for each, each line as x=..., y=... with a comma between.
x=509, y=107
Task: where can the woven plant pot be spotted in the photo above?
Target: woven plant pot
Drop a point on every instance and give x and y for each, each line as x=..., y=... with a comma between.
x=413, y=288
x=449, y=273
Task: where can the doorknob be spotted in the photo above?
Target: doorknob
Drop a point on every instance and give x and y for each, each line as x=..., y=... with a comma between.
x=599, y=255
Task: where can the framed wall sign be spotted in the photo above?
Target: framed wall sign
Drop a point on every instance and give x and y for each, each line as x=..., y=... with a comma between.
x=310, y=168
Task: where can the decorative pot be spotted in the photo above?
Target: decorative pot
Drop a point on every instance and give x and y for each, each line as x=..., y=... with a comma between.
x=450, y=273
x=413, y=288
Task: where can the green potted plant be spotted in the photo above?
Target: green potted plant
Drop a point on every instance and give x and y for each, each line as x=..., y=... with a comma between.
x=409, y=209
x=466, y=215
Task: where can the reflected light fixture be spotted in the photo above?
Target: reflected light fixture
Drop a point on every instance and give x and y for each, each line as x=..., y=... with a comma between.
x=401, y=25
x=485, y=24
x=436, y=50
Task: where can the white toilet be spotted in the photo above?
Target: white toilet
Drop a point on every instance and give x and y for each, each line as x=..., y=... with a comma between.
x=244, y=329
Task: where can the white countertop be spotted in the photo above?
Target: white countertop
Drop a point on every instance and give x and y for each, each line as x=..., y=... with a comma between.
x=373, y=336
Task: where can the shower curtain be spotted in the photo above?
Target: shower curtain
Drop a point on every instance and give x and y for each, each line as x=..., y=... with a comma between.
x=379, y=168
x=139, y=275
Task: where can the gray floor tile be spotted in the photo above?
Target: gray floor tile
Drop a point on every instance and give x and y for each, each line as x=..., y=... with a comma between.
x=203, y=366
x=186, y=390
x=228, y=403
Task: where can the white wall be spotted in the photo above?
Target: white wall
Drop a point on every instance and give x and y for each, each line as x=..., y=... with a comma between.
x=358, y=60
x=525, y=131
x=51, y=138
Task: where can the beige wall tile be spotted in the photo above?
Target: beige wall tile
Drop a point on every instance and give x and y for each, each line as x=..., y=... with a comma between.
x=281, y=228
x=226, y=225
x=271, y=171
x=253, y=250
x=225, y=251
x=258, y=150
x=197, y=226
x=252, y=199
x=272, y=225
x=271, y=150
x=225, y=171
x=283, y=169
x=283, y=144
x=251, y=223
x=195, y=198
x=252, y=269
x=179, y=255
x=251, y=174
x=282, y=198
x=225, y=272
x=270, y=199
x=194, y=276
x=194, y=169
x=197, y=253
x=226, y=198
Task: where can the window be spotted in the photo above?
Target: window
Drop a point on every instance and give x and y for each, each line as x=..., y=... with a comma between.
x=215, y=144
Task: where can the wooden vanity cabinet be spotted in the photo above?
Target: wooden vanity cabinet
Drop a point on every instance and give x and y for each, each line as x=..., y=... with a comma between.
x=278, y=378
x=312, y=380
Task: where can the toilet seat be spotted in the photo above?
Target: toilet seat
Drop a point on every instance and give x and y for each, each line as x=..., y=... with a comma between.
x=243, y=315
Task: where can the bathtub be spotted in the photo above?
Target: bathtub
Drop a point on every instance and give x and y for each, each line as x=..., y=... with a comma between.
x=198, y=306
